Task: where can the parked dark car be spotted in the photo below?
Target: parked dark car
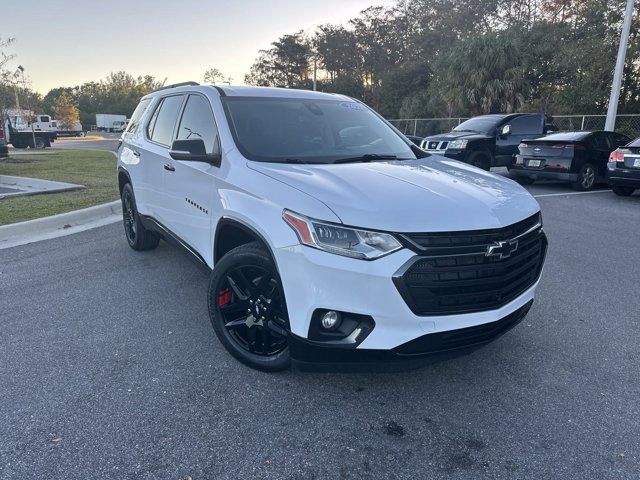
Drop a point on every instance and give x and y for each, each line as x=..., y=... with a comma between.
x=489, y=140
x=623, y=169
x=577, y=157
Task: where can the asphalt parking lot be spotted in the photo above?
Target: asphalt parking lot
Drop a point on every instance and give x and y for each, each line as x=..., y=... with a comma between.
x=110, y=369
x=109, y=142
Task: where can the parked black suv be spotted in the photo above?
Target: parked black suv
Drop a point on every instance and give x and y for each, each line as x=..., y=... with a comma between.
x=489, y=140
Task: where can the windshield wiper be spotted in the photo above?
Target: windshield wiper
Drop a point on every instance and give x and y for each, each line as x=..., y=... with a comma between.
x=369, y=157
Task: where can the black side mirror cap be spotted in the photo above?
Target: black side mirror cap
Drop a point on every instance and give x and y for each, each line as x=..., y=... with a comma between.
x=193, y=150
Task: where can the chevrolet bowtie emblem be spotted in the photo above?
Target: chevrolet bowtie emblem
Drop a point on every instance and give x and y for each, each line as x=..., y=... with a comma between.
x=503, y=249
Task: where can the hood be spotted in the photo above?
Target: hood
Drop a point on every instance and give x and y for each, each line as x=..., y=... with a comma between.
x=427, y=195
x=454, y=135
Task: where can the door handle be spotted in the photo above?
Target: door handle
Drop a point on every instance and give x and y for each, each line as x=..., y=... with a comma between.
x=169, y=167
x=136, y=153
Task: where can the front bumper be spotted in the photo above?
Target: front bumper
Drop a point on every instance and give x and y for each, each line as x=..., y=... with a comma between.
x=427, y=348
x=313, y=279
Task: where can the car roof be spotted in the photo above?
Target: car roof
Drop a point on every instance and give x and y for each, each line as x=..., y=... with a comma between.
x=277, y=92
x=249, y=91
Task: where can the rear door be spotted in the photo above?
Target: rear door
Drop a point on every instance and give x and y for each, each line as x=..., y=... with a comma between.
x=191, y=187
x=601, y=148
x=522, y=127
x=154, y=157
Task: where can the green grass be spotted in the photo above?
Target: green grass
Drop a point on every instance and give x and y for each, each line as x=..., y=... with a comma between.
x=95, y=170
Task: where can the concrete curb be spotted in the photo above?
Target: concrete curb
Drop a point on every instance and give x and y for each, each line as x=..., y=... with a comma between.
x=34, y=186
x=59, y=225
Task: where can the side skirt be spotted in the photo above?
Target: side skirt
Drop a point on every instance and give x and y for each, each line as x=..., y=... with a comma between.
x=168, y=236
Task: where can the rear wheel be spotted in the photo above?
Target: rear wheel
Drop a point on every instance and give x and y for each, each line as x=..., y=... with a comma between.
x=248, y=310
x=586, y=178
x=623, y=191
x=40, y=143
x=138, y=237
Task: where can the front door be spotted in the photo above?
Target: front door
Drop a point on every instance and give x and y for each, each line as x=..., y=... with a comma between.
x=522, y=128
x=191, y=187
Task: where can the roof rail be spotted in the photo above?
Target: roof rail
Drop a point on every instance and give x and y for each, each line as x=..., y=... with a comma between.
x=174, y=85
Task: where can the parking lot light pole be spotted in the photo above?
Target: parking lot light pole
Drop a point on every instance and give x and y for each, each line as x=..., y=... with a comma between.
x=610, y=124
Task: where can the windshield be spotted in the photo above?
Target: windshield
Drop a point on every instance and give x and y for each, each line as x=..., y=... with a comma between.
x=301, y=130
x=479, y=124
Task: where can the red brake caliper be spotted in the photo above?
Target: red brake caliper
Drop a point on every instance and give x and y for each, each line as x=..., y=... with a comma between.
x=224, y=297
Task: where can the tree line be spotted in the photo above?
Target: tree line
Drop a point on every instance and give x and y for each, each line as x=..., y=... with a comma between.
x=416, y=58
x=433, y=58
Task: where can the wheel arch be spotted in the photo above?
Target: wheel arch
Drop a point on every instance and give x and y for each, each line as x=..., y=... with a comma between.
x=231, y=233
x=123, y=178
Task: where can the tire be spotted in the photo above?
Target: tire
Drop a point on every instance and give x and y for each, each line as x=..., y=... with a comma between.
x=480, y=160
x=138, y=237
x=623, y=191
x=248, y=310
x=522, y=180
x=40, y=142
x=586, y=178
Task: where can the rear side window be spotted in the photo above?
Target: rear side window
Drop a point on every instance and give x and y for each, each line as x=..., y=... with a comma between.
x=618, y=140
x=526, y=125
x=137, y=115
x=635, y=143
x=600, y=141
x=164, y=121
x=197, y=122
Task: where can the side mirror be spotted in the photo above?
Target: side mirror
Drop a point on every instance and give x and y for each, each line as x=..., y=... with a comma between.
x=506, y=131
x=193, y=150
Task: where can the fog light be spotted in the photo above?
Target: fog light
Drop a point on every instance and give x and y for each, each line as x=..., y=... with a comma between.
x=330, y=320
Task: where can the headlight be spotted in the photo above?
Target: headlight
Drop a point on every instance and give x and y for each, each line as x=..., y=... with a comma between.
x=340, y=240
x=458, y=144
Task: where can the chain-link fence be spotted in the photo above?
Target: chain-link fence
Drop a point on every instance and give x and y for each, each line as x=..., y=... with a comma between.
x=422, y=127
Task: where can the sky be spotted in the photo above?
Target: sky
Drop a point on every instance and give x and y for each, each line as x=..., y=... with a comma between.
x=67, y=42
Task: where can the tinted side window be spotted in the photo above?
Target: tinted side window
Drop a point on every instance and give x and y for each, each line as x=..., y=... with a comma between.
x=166, y=120
x=137, y=114
x=618, y=140
x=600, y=141
x=526, y=125
x=198, y=122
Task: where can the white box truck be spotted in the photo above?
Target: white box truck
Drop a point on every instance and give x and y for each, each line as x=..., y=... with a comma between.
x=108, y=122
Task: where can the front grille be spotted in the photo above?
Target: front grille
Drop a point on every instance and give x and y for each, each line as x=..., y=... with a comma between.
x=463, y=337
x=454, y=274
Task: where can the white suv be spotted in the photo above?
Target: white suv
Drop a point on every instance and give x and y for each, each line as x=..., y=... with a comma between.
x=329, y=236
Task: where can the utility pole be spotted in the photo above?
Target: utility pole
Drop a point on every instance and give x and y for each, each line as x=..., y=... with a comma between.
x=315, y=72
x=612, y=111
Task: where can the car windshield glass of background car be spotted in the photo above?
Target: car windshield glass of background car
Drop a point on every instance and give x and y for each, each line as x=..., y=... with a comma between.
x=478, y=124
x=309, y=130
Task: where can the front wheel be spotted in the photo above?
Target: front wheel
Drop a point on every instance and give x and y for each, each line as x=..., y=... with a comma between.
x=623, y=191
x=480, y=160
x=586, y=178
x=247, y=308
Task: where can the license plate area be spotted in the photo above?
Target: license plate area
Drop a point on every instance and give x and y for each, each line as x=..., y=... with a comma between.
x=533, y=163
x=636, y=163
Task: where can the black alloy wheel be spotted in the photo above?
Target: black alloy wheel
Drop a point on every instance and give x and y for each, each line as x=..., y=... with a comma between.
x=586, y=178
x=248, y=310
